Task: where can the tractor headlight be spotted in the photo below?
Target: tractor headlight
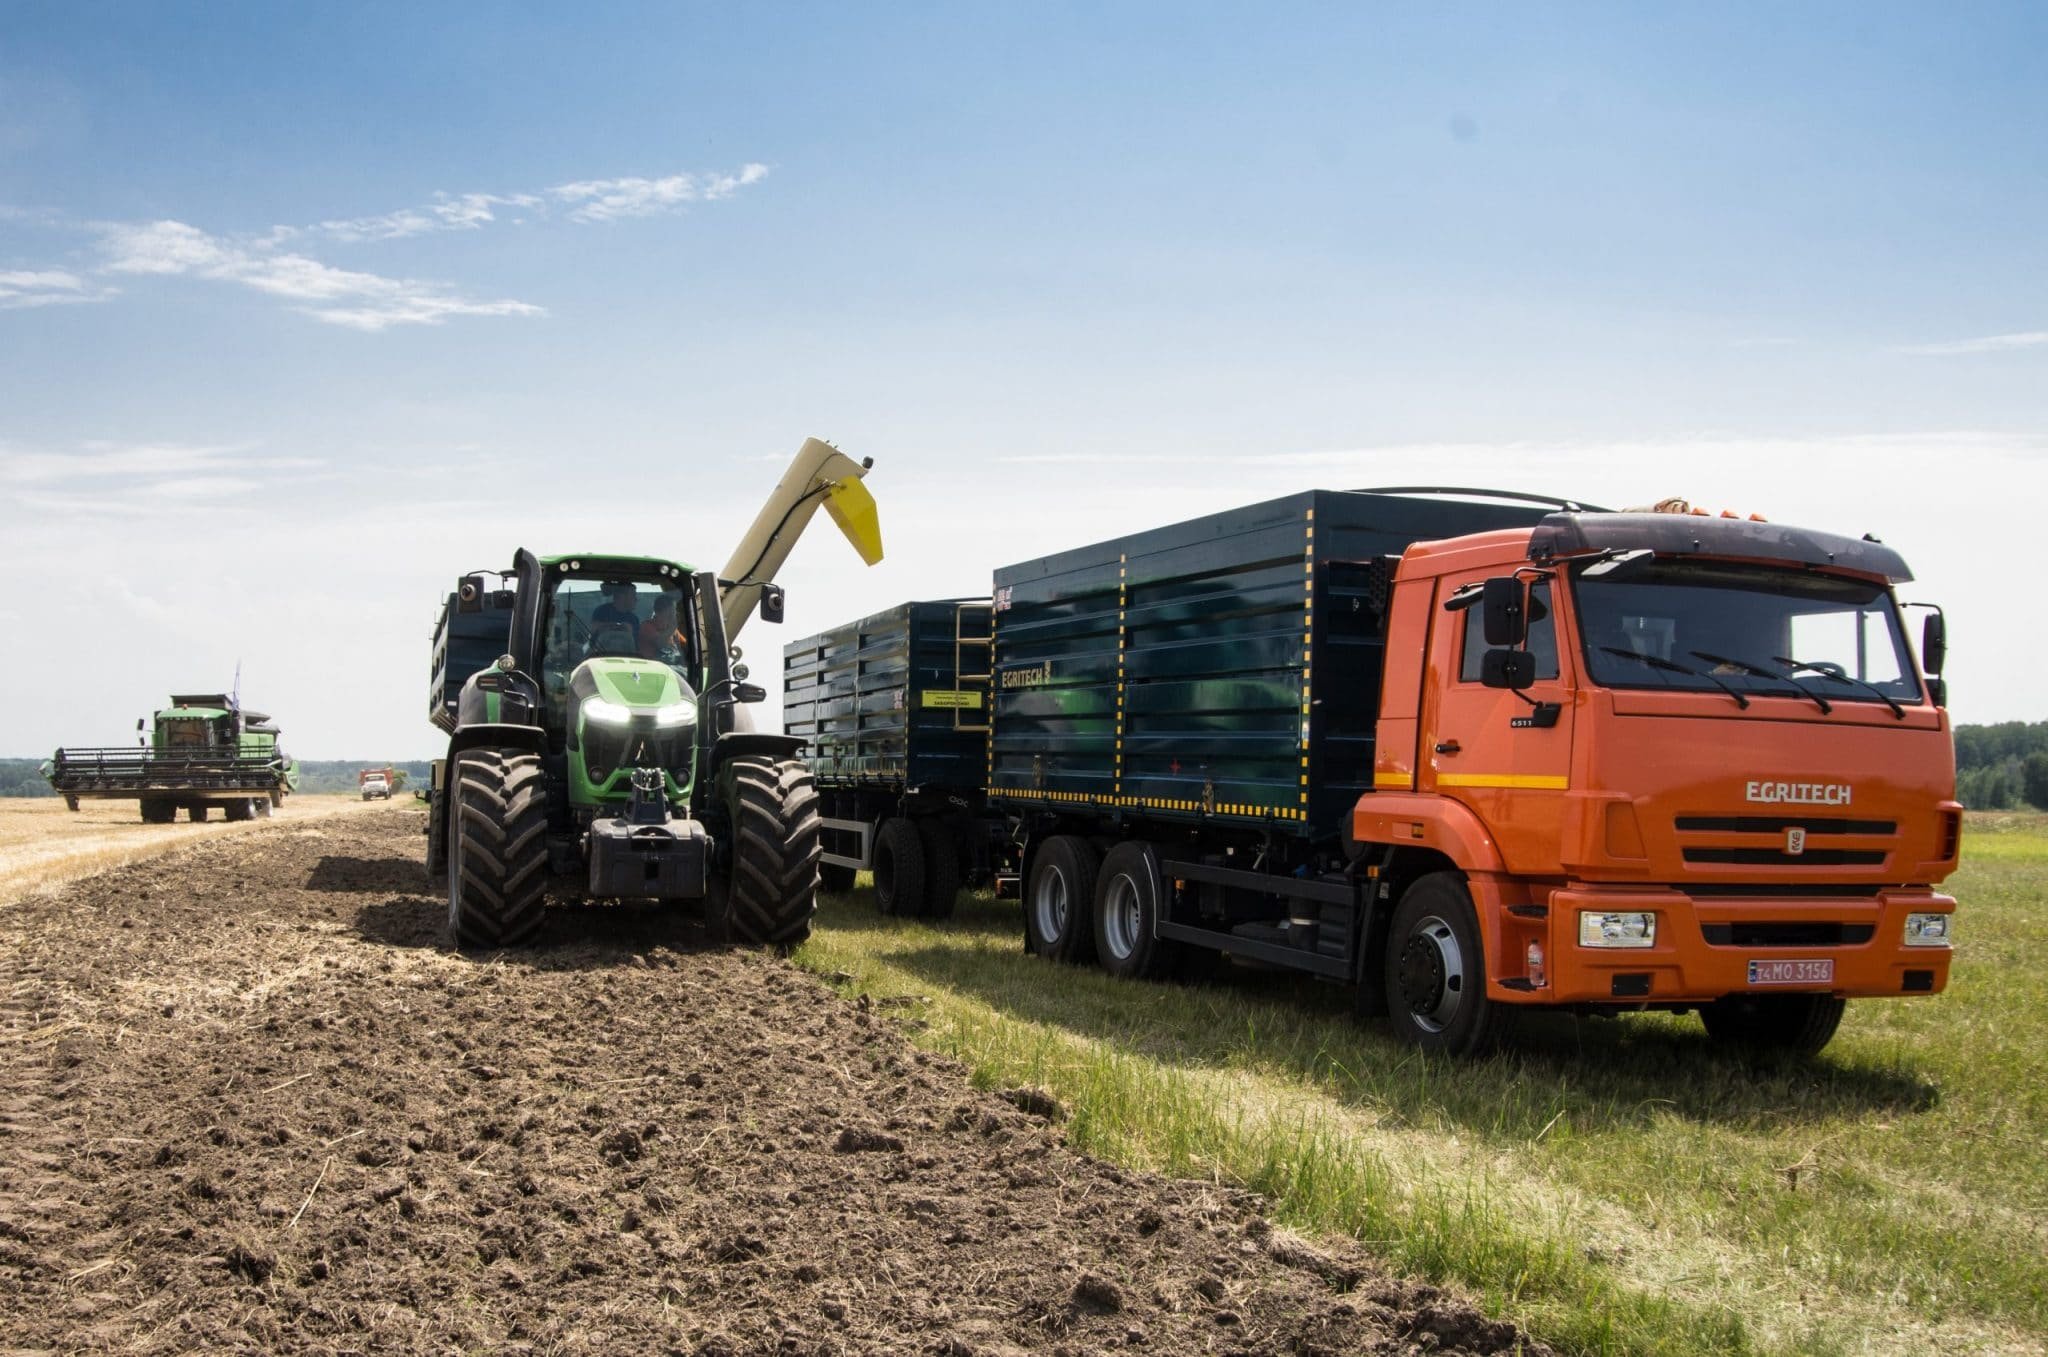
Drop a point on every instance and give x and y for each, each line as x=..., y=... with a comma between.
x=1927, y=930
x=1635, y=928
x=676, y=714
x=604, y=710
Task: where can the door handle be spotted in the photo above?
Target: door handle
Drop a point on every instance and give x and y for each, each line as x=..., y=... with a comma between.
x=1448, y=747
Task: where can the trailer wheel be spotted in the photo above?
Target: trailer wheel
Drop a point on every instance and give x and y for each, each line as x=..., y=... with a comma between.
x=497, y=849
x=772, y=891
x=1800, y=1023
x=899, y=868
x=1059, y=900
x=158, y=812
x=941, y=868
x=835, y=878
x=197, y=814
x=1436, y=970
x=1127, y=897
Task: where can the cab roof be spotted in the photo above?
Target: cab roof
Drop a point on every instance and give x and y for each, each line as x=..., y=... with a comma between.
x=1560, y=536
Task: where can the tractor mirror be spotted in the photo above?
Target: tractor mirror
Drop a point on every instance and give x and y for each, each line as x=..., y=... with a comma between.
x=1933, y=643
x=771, y=603
x=1506, y=614
x=138, y=723
x=1513, y=669
x=749, y=692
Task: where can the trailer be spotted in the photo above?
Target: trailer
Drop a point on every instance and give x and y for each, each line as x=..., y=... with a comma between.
x=1474, y=754
x=894, y=711
x=202, y=751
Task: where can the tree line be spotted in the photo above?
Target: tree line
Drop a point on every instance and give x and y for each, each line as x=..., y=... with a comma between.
x=2002, y=766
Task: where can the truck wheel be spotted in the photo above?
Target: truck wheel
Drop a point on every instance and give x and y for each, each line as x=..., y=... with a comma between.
x=497, y=849
x=835, y=878
x=197, y=814
x=1126, y=913
x=156, y=812
x=1436, y=970
x=941, y=868
x=899, y=868
x=773, y=890
x=1801, y=1023
x=1059, y=900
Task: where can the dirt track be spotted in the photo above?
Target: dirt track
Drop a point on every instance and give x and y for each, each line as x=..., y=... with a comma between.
x=248, y=1103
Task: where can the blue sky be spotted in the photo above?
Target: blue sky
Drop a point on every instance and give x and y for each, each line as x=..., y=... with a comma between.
x=303, y=310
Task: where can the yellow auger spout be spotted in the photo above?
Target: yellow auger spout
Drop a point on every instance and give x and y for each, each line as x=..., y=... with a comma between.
x=820, y=474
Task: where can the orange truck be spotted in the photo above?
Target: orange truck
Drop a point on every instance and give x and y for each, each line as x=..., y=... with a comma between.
x=1479, y=758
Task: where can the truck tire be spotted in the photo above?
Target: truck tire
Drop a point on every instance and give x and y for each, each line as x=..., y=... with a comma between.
x=1800, y=1023
x=1436, y=970
x=772, y=891
x=899, y=868
x=157, y=812
x=497, y=849
x=197, y=814
x=1059, y=900
x=941, y=868
x=1127, y=895
x=835, y=878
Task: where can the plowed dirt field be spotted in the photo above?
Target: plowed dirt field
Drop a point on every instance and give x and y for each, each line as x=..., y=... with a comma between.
x=249, y=1103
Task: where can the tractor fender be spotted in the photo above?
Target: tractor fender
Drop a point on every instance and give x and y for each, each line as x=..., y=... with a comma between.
x=745, y=743
x=1415, y=820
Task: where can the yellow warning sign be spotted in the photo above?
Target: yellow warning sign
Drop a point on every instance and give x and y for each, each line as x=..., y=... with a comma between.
x=952, y=697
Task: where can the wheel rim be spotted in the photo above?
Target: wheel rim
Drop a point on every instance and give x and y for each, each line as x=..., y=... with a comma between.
x=1049, y=904
x=1120, y=920
x=1432, y=974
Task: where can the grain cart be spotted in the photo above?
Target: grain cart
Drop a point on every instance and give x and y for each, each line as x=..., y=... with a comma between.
x=1476, y=758
x=601, y=741
x=203, y=750
x=894, y=709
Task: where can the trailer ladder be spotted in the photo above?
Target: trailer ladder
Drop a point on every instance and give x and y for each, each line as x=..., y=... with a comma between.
x=961, y=643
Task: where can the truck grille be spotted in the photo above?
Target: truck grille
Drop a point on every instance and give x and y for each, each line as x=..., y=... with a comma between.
x=1778, y=857
x=1763, y=840
x=1778, y=824
x=1788, y=934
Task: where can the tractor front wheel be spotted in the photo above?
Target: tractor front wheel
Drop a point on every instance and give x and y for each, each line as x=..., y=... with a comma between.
x=497, y=849
x=772, y=889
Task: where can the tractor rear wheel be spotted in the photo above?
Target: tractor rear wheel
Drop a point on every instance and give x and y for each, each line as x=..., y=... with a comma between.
x=941, y=868
x=1801, y=1023
x=899, y=868
x=157, y=812
x=773, y=887
x=497, y=849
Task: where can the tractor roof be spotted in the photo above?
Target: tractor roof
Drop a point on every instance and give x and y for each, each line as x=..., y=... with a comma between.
x=595, y=563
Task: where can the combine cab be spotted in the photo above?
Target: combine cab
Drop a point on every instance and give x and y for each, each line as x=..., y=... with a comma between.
x=203, y=750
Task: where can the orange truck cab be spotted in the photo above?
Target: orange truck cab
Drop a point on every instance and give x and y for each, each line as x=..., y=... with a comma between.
x=1657, y=761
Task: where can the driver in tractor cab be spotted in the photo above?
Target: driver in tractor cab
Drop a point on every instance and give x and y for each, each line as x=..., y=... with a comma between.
x=615, y=623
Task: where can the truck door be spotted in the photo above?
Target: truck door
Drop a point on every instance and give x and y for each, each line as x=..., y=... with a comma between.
x=1507, y=758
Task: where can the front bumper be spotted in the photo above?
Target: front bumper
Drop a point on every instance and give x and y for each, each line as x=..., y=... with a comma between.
x=1685, y=966
x=667, y=861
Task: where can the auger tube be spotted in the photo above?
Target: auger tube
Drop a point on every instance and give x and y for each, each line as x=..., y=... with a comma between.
x=820, y=474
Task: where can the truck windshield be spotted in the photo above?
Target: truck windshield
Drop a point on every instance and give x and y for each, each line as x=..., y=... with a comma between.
x=1758, y=630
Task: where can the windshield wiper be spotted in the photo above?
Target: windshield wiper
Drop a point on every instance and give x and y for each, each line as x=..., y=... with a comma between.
x=1659, y=662
x=1746, y=667
x=1841, y=675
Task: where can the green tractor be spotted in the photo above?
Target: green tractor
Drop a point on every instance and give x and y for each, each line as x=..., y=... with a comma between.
x=608, y=752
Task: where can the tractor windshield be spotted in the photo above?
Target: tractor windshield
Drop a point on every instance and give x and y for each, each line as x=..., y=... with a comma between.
x=1757, y=630
x=586, y=618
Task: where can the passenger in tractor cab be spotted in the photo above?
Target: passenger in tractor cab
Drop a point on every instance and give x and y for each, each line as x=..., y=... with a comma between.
x=659, y=639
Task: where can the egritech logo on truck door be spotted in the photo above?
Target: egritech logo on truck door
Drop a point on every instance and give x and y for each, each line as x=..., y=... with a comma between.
x=1799, y=793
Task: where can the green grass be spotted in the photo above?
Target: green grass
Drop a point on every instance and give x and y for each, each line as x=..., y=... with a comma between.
x=1616, y=1186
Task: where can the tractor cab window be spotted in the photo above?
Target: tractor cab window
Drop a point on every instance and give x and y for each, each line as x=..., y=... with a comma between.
x=594, y=618
x=1542, y=637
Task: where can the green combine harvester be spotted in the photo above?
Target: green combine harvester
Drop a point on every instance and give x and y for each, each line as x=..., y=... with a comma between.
x=202, y=751
x=598, y=739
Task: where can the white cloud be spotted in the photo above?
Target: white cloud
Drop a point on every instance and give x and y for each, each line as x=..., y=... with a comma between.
x=2026, y=339
x=448, y=212
x=371, y=301
x=46, y=287
x=596, y=200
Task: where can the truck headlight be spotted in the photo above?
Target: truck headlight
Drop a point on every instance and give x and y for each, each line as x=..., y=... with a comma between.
x=1927, y=930
x=609, y=712
x=1635, y=928
x=676, y=714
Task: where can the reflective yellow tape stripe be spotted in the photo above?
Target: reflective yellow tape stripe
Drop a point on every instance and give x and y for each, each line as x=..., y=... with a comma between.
x=1527, y=781
x=1393, y=779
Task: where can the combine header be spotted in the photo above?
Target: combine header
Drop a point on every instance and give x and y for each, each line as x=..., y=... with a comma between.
x=203, y=750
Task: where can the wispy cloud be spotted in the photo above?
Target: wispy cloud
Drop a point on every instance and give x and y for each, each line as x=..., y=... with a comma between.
x=47, y=287
x=594, y=200
x=362, y=301
x=98, y=461
x=2025, y=339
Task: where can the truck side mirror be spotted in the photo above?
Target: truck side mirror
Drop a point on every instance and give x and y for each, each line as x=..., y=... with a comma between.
x=1513, y=669
x=1933, y=643
x=771, y=603
x=1503, y=606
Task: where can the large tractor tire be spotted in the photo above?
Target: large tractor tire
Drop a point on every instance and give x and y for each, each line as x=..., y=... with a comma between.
x=1059, y=900
x=497, y=849
x=157, y=812
x=1800, y=1023
x=941, y=868
x=1436, y=970
x=437, y=837
x=773, y=889
x=899, y=868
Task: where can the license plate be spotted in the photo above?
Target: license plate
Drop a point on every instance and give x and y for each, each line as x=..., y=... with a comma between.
x=1792, y=972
